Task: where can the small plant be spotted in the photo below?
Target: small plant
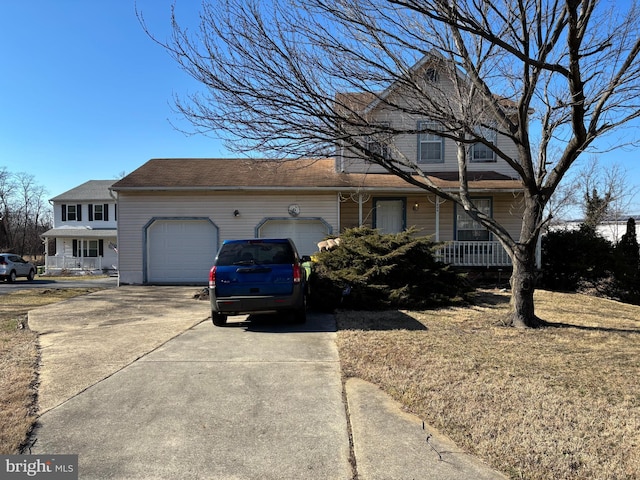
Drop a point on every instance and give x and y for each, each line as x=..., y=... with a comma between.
x=368, y=270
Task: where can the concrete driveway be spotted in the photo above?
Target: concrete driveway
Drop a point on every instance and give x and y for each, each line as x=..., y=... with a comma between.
x=139, y=384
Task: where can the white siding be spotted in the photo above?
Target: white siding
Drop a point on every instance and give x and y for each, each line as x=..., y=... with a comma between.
x=57, y=215
x=135, y=210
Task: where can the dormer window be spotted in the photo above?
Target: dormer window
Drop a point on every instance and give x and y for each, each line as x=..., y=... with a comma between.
x=431, y=75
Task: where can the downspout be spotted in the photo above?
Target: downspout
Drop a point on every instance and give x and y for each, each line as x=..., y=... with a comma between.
x=116, y=197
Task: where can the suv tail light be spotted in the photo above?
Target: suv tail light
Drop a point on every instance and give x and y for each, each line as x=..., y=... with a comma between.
x=212, y=277
x=3, y=261
x=297, y=273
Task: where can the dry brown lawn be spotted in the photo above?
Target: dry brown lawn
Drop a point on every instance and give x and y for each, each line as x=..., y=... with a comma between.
x=18, y=362
x=562, y=402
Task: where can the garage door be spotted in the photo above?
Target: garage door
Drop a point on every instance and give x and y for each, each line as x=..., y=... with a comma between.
x=305, y=233
x=180, y=251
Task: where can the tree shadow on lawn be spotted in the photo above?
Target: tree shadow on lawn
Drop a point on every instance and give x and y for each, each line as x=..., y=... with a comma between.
x=589, y=328
x=377, y=320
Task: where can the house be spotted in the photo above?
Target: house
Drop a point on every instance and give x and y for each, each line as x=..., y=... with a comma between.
x=611, y=229
x=174, y=213
x=83, y=237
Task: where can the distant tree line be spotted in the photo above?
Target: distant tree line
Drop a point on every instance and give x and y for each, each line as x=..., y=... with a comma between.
x=24, y=213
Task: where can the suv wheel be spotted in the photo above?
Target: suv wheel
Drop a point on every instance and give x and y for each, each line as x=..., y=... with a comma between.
x=31, y=275
x=218, y=319
x=12, y=276
x=300, y=315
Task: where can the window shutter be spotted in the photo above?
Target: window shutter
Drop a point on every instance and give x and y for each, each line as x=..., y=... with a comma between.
x=64, y=212
x=75, y=248
x=90, y=212
x=101, y=248
x=79, y=212
x=105, y=212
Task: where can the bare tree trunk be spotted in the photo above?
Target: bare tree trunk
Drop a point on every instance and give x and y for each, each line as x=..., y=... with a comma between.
x=523, y=282
x=524, y=275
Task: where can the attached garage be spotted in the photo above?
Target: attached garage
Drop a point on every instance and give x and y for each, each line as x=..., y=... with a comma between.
x=180, y=250
x=305, y=233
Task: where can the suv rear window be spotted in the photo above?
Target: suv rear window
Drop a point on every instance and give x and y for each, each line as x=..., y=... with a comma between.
x=255, y=253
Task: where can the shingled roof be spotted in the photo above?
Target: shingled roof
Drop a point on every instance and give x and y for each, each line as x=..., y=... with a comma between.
x=305, y=174
x=92, y=190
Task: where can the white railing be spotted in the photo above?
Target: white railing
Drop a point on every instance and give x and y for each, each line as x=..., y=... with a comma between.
x=72, y=263
x=474, y=254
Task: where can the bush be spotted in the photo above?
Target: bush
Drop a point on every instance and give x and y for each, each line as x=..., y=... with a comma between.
x=627, y=257
x=370, y=271
x=573, y=259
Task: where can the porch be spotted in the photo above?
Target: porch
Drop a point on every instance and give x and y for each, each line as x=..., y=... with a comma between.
x=56, y=263
x=478, y=254
x=474, y=254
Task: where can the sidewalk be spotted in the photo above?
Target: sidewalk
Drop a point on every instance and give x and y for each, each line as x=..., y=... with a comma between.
x=139, y=384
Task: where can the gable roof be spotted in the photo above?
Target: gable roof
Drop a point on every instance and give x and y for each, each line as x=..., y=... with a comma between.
x=366, y=102
x=189, y=174
x=91, y=190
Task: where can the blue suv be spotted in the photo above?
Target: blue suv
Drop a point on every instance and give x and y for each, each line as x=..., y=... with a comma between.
x=260, y=275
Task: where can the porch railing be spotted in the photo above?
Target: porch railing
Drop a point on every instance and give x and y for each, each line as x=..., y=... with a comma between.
x=73, y=263
x=474, y=254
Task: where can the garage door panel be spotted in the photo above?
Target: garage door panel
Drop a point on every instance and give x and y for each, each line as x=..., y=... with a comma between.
x=305, y=233
x=180, y=251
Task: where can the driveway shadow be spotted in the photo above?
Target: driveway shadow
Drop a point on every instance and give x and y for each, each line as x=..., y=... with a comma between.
x=281, y=323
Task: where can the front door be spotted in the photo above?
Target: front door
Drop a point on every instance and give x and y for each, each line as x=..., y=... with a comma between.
x=389, y=215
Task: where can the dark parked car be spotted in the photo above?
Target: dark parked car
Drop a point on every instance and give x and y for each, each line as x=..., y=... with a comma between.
x=13, y=266
x=257, y=276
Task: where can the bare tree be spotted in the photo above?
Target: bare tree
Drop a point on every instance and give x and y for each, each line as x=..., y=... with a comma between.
x=24, y=213
x=594, y=194
x=553, y=76
x=6, y=189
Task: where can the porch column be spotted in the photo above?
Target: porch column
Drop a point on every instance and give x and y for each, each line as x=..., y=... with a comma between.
x=46, y=253
x=359, y=209
x=437, y=219
x=437, y=201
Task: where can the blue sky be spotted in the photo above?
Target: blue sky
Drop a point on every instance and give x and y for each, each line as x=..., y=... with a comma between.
x=85, y=94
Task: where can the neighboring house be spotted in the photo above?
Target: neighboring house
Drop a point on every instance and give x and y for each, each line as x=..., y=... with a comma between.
x=173, y=213
x=84, y=234
x=612, y=230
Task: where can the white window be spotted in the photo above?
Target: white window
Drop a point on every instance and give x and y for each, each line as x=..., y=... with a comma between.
x=430, y=145
x=98, y=212
x=378, y=143
x=71, y=213
x=467, y=229
x=90, y=248
x=481, y=152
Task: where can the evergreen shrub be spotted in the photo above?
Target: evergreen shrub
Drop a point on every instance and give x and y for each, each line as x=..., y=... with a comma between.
x=372, y=271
